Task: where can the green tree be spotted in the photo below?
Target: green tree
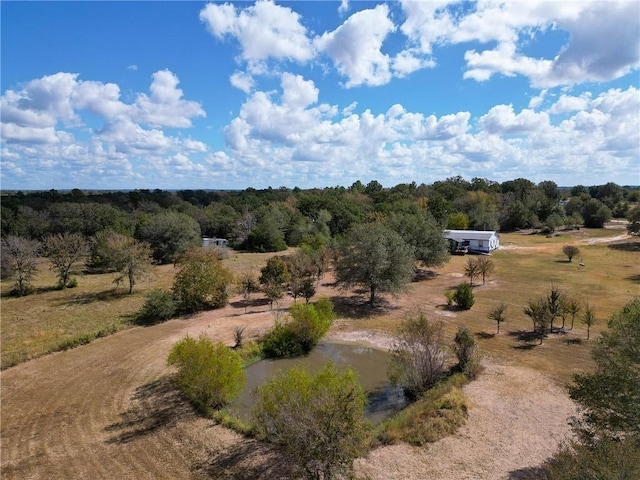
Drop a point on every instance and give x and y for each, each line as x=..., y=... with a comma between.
x=421, y=232
x=595, y=214
x=130, y=257
x=555, y=304
x=480, y=208
x=218, y=220
x=201, y=282
x=318, y=419
x=247, y=284
x=588, y=318
x=418, y=355
x=65, y=251
x=570, y=251
x=20, y=261
x=274, y=277
x=471, y=270
x=266, y=236
x=458, y=221
x=538, y=311
x=608, y=444
x=497, y=314
x=604, y=459
x=572, y=307
x=610, y=396
x=463, y=296
x=377, y=258
x=301, y=269
x=308, y=289
x=633, y=227
x=210, y=374
x=169, y=233
x=485, y=267
x=87, y=219
x=575, y=220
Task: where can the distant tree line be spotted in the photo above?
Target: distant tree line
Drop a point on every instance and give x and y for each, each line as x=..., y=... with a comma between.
x=166, y=223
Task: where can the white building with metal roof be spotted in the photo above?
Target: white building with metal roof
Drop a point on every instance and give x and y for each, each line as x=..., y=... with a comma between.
x=480, y=241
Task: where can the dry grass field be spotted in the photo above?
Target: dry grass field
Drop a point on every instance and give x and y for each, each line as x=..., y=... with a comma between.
x=106, y=410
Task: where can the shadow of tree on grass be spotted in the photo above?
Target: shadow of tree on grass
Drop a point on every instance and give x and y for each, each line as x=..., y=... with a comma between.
x=358, y=307
x=422, y=274
x=485, y=335
x=86, y=298
x=525, y=337
x=529, y=473
x=246, y=460
x=155, y=405
x=625, y=247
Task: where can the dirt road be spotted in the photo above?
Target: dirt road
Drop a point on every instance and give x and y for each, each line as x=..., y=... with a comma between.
x=106, y=411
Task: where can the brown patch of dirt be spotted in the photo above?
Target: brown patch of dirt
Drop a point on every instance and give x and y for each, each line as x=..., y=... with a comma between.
x=107, y=410
x=517, y=418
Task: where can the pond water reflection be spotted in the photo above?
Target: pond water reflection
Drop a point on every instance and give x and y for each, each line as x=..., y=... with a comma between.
x=369, y=364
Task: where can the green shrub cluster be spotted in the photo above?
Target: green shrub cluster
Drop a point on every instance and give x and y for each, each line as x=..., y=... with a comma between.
x=158, y=306
x=318, y=419
x=301, y=332
x=210, y=374
x=466, y=350
x=463, y=296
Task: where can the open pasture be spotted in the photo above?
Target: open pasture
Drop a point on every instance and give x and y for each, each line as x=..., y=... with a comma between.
x=106, y=410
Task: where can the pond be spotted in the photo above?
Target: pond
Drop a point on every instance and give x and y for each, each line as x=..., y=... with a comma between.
x=370, y=365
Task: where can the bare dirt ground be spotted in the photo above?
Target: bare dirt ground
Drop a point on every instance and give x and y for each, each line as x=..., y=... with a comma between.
x=107, y=410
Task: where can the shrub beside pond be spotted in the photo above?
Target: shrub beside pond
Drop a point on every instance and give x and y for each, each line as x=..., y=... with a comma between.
x=210, y=374
x=318, y=419
x=304, y=328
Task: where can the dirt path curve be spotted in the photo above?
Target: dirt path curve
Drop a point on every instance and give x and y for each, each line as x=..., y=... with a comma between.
x=106, y=411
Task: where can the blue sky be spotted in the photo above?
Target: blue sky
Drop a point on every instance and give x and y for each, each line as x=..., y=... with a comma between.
x=174, y=95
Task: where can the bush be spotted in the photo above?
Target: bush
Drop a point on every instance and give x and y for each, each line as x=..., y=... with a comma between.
x=449, y=296
x=202, y=281
x=318, y=419
x=210, y=375
x=463, y=296
x=418, y=357
x=466, y=350
x=159, y=306
x=570, y=251
x=604, y=459
x=306, y=326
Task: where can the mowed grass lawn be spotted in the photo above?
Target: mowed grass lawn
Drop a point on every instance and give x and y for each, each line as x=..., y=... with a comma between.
x=609, y=279
x=51, y=320
x=526, y=268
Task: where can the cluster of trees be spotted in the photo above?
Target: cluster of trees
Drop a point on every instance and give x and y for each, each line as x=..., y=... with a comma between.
x=121, y=231
x=271, y=219
x=608, y=430
x=555, y=304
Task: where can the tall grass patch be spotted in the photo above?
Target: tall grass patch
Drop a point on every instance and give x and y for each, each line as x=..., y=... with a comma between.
x=436, y=414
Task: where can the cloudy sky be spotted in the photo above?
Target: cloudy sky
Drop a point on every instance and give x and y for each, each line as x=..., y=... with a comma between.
x=120, y=95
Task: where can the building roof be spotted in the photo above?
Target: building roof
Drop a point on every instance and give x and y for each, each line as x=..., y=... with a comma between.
x=459, y=235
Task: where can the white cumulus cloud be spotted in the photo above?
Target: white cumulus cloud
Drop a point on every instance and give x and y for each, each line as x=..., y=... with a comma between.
x=264, y=31
x=355, y=47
